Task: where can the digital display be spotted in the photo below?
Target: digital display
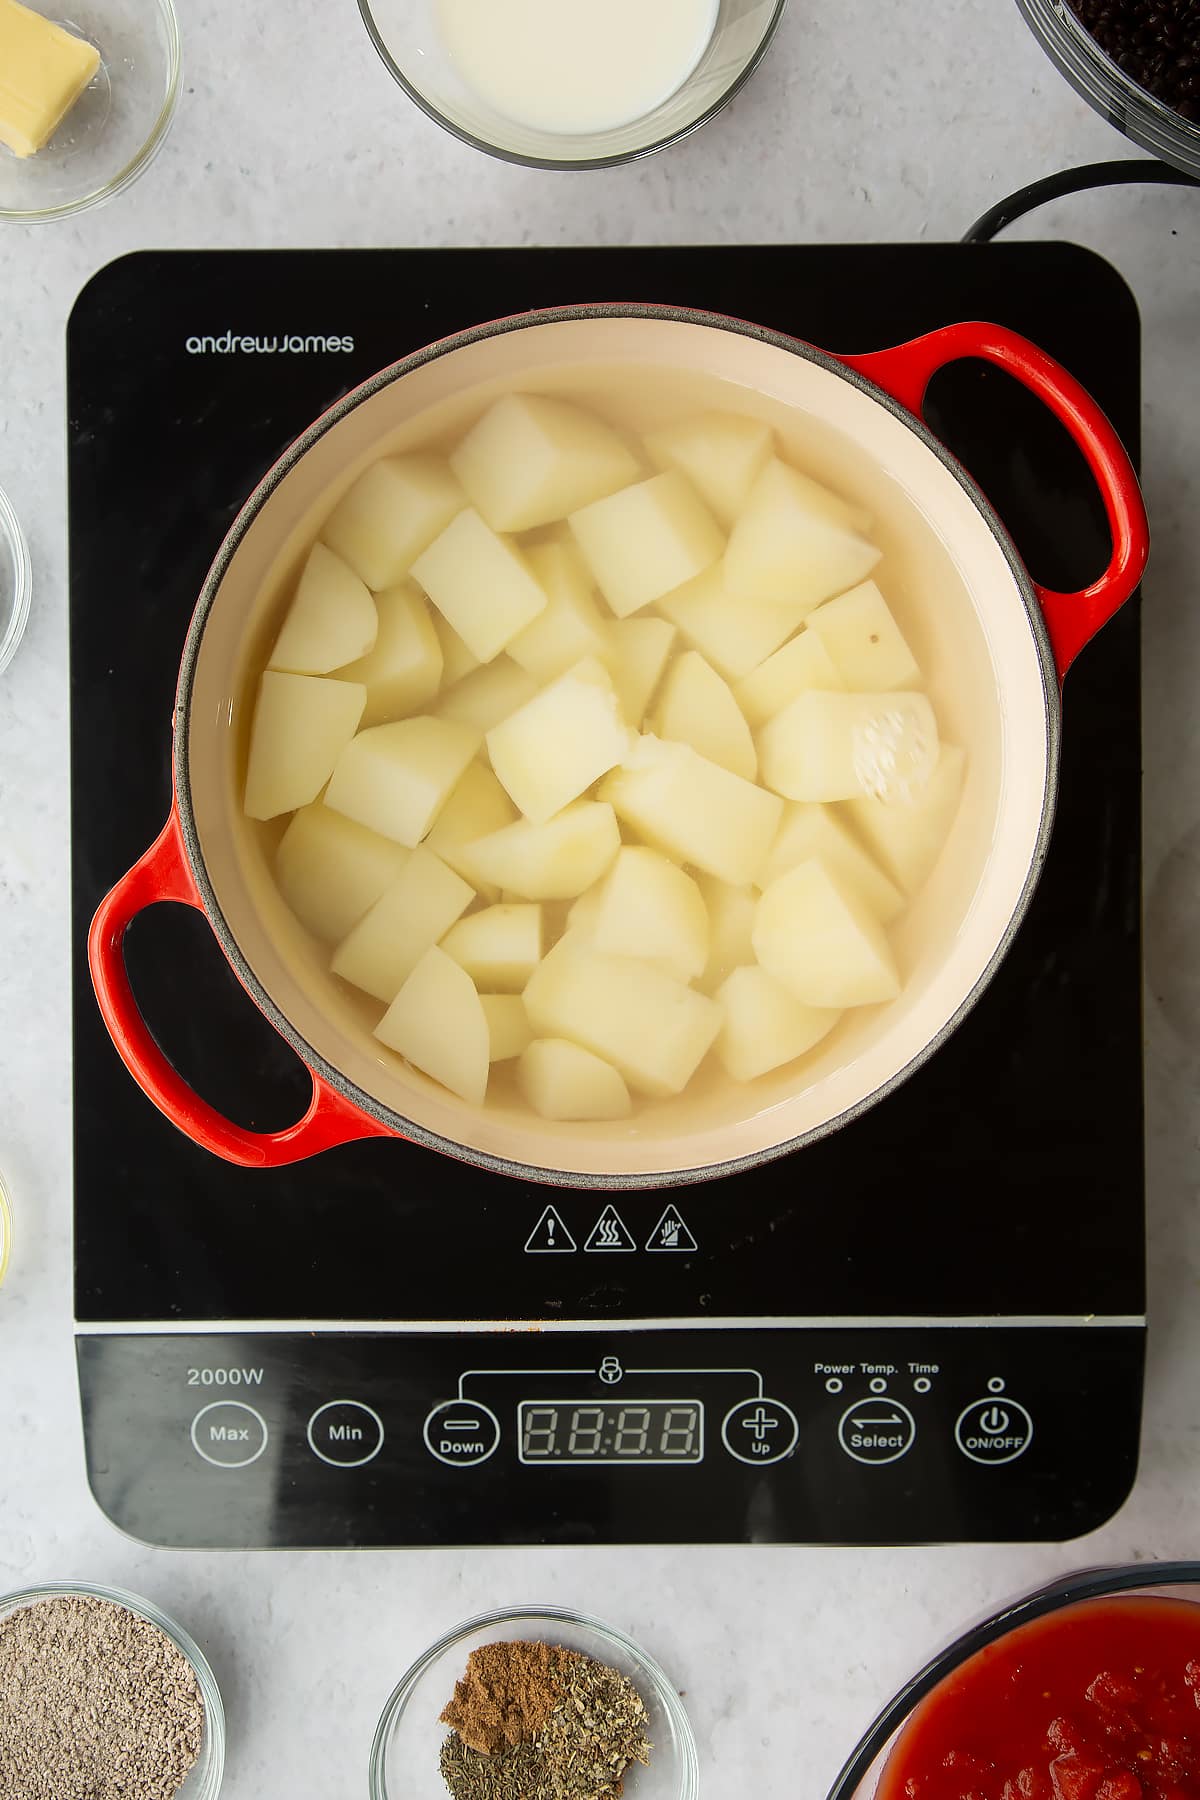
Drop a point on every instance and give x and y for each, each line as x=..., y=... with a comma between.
x=594, y=1431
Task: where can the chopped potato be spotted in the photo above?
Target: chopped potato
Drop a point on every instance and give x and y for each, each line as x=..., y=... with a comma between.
x=816, y=936
x=508, y=1026
x=554, y=861
x=721, y=454
x=554, y=747
x=562, y=1081
x=488, y=694
x=388, y=942
x=302, y=725
x=457, y=660
x=437, y=1021
x=480, y=583
x=694, y=810
x=572, y=625
x=330, y=870
x=404, y=669
x=764, y=1024
x=396, y=778
x=731, y=913
x=830, y=746
x=801, y=664
x=795, y=543
x=648, y=907
x=499, y=947
x=638, y=654
x=696, y=707
x=331, y=621
x=809, y=829
x=907, y=837
x=646, y=540
x=532, y=459
x=393, y=511
x=477, y=806
x=651, y=1027
x=734, y=635
x=864, y=641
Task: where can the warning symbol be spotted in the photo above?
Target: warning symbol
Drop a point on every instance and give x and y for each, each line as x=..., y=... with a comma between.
x=610, y=1232
x=549, y=1235
x=671, y=1233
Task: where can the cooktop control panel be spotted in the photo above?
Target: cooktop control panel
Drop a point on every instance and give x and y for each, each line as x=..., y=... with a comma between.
x=776, y=1434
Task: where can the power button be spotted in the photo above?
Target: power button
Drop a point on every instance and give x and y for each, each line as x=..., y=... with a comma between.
x=995, y=1430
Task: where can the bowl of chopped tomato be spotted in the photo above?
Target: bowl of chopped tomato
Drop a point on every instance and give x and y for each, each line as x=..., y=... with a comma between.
x=1088, y=1689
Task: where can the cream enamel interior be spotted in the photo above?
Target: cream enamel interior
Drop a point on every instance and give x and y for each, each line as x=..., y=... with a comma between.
x=954, y=591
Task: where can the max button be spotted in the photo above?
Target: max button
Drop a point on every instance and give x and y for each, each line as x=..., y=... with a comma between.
x=461, y=1433
x=229, y=1434
x=877, y=1430
x=995, y=1430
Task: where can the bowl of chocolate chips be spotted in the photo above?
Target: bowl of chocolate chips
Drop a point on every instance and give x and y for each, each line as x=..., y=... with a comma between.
x=534, y=1703
x=1136, y=61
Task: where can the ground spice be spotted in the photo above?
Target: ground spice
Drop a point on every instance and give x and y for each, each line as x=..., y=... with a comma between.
x=581, y=1748
x=506, y=1695
x=95, y=1704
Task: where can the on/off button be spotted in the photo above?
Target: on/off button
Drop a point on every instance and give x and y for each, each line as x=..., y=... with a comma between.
x=995, y=1430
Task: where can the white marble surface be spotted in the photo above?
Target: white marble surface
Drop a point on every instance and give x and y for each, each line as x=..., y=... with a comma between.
x=867, y=121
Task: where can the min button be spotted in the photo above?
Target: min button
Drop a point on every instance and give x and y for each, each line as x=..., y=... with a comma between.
x=345, y=1433
x=229, y=1434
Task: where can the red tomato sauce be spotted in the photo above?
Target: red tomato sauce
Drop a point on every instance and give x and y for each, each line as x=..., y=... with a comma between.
x=1100, y=1701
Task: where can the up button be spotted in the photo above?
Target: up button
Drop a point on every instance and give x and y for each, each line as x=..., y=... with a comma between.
x=995, y=1430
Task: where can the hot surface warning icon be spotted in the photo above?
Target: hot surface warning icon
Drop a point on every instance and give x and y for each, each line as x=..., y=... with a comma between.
x=671, y=1233
x=549, y=1235
x=610, y=1232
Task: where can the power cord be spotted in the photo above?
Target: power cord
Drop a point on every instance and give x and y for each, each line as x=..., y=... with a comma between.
x=1072, y=181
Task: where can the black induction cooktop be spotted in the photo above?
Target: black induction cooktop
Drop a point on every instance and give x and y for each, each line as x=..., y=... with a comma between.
x=927, y=1326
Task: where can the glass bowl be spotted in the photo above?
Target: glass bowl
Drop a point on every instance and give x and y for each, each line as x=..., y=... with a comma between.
x=1106, y=86
x=16, y=581
x=203, y=1781
x=5, y=1229
x=404, y=1756
x=407, y=37
x=118, y=125
x=1168, y=1580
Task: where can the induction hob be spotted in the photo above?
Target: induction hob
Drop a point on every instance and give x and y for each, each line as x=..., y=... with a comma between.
x=928, y=1326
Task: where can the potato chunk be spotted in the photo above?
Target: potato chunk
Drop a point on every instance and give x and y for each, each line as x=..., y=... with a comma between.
x=864, y=641
x=554, y=861
x=734, y=635
x=508, y=1027
x=828, y=746
x=907, y=837
x=488, y=694
x=694, y=810
x=810, y=829
x=816, y=936
x=457, y=660
x=764, y=1025
x=696, y=707
x=648, y=907
x=554, y=747
x=731, y=913
x=330, y=870
x=330, y=622
x=477, y=807
x=649, y=1026
x=646, y=540
x=795, y=543
x=396, y=778
x=437, y=1021
x=801, y=664
x=480, y=583
x=720, y=453
x=394, y=509
x=572, y=625
x=404, y=669
x=638, y=654
x=302, y=725
x=532, y=459
x=499, y=947
x=388, y=942
x=561, y=1081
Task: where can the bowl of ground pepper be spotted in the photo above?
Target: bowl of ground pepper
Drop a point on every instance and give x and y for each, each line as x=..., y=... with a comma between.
x=1136, y=61
x=534, y=1703
x=103, y=1697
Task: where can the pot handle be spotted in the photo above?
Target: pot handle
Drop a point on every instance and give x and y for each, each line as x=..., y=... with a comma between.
x=1072, y=620
x=163, y=874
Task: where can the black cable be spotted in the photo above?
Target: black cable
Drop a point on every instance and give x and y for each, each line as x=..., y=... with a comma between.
x=1072, y=181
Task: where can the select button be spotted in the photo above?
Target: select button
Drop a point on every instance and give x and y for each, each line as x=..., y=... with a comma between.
x=877, y=1430
x=345, y=1433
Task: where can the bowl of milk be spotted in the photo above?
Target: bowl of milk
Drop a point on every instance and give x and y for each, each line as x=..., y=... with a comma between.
x=571, y=83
